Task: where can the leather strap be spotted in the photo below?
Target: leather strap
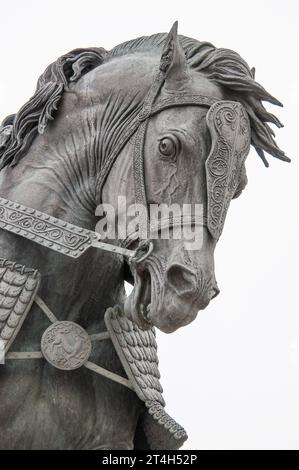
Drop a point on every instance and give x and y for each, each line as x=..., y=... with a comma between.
x=168, y=222
x=149, y=109
x=138, y=165
x=24, y=355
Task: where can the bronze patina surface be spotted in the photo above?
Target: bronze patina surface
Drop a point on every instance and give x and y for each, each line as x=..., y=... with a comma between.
x=158, y=119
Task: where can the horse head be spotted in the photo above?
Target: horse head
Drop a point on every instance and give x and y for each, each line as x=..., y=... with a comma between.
x=159, y=126
x=191, y=152
x=159, y=120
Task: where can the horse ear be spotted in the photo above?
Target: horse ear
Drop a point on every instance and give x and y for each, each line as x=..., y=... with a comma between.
x=173, y=60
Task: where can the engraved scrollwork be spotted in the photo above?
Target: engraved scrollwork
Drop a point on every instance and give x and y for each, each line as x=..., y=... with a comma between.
x=71, y=239
x=54, y=233
x=24, y=222
x=14, y=216
x=230, y=131
x=215, y=211
x=218, y=192
x=39, y=225
x=228, y=116
x=218, y=167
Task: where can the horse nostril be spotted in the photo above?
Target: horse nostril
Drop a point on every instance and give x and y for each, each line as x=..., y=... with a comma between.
x=181, y=279
x=214, y=291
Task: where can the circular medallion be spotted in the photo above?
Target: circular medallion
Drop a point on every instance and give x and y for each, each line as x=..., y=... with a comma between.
x=66, y=345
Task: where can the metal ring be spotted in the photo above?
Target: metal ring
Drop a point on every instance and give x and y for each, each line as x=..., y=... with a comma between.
x=146, y=244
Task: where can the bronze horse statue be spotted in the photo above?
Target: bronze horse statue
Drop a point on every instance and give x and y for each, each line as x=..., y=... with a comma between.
x=163, y=118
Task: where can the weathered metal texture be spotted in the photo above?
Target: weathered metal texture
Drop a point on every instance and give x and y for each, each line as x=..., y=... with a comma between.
x=229, y=126
x=156, y=90
x=51, y=232
x=66, y=345
x=18, y=288
x=137, y=350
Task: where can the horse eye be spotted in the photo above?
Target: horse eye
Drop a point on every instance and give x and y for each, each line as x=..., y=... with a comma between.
x=167, y=147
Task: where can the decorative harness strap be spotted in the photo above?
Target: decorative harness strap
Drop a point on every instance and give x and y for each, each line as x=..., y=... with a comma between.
x=53, y=233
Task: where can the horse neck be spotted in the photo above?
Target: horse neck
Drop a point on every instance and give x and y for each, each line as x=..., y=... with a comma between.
x=57, y=177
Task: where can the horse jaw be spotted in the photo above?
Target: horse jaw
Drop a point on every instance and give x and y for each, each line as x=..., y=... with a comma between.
x=139, y=303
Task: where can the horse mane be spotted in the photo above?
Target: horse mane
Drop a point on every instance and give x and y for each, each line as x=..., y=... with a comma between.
x=222, y=66
x=18, y=130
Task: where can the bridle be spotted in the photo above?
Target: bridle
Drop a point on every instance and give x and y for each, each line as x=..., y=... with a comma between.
x=152, y=105
x=74, y=241
x=229, y=126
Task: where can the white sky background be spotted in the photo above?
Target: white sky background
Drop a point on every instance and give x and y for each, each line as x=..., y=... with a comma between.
x=231, y=377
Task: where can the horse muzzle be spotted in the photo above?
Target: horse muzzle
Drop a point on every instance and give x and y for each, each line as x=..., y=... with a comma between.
x=167, y=296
